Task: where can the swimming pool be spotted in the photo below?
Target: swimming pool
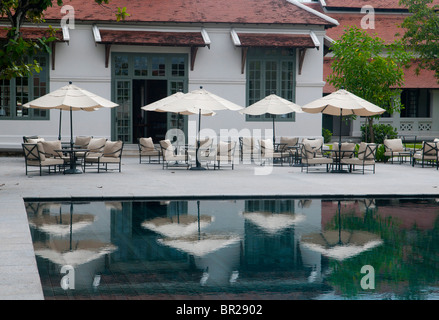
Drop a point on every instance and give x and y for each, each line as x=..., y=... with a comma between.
x=234, y=249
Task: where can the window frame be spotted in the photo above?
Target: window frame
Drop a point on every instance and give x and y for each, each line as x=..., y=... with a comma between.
x=14, y=83
x=263, y=57
x=417, y=94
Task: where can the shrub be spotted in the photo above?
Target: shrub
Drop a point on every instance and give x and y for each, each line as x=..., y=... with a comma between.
x=327, y=135
x=381, y=132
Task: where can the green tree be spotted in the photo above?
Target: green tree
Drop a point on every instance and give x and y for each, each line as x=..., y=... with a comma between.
x=15, y=50
x=369, y=68
x=422, y=33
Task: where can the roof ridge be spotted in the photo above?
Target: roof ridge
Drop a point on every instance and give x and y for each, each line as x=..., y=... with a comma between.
x=315, y=12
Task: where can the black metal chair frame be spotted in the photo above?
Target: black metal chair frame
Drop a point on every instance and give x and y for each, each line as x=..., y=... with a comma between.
x=427, y=148
x=369, y=154
x=159, y=154
x=33, y=153
x=104, y=165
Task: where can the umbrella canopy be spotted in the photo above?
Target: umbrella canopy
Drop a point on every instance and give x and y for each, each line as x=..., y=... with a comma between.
x=200, y=245
x=201, y=102
x=177, y=226
x=274, y=105
x=70, y=98
x=161, y=105
x=343, y=103
x=63, y=252
x=273, y=222
x=341, y=245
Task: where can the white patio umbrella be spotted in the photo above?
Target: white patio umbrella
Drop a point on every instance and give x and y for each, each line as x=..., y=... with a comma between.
x=273, y=222
x=70, y=98
x=160, y=105
x=201, y=102
x=343, y=103
x=274, y=105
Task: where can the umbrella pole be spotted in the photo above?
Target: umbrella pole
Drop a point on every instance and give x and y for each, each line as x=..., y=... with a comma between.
x=59, y=130
x=72, y=169
x=274, y=136
x=71, y=129
x=197, y=163
x=338, y=154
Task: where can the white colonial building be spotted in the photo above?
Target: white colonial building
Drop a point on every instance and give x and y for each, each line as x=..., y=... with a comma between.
x=239, y=50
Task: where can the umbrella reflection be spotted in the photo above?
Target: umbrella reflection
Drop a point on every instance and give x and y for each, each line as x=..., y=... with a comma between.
x=200, y=244
x=273, y=222
x=65, y=252
x=62, y=223
x=180, y=225
x=341, y=244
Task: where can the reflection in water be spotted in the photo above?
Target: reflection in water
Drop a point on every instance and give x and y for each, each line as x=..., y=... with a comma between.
x=239, y=249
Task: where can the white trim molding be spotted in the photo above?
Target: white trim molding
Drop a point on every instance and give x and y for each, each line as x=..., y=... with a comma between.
x=319, y=14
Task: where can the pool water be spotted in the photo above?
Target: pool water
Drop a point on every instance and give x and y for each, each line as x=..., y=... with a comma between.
x=238, y=249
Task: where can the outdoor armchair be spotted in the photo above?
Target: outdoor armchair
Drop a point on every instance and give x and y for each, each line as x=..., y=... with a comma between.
x=148, y=149
x=316, y=145
x=271, y=154
x=395, y=148
x=34, y=157
x=346, y=150
x=225, y=154
x=82, y=141
x=309, y=158
x=365, y=156
x=171, y=158
x=95, y=147
x=427, y=155
x=111, y=154
x=291, y=145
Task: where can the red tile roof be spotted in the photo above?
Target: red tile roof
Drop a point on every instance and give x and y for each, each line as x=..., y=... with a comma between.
x=33, y=33
x=193, y=11
x=152, y=38
x=376, y=4
x=275, y=40
x=425, y=79
x=386, y=25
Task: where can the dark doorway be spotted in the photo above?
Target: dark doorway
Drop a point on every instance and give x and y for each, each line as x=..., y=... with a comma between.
x=332, y=123
x=148, y=123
